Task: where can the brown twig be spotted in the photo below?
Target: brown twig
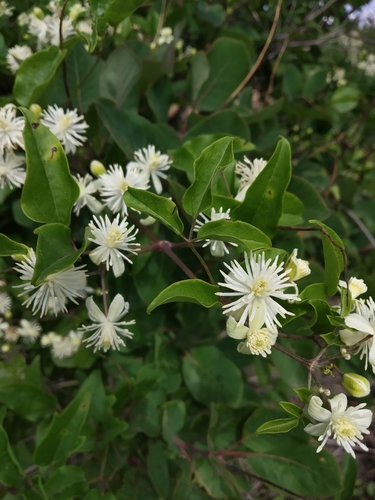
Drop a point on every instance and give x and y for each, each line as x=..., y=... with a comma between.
x=64, y=68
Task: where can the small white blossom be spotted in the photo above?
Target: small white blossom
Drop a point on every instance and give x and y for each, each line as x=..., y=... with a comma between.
x=87, y=187
x=11, y=128
x=107, y=328
x=66, y=126
x=16, y=55
x=11, y=172
x=362, y=324
x=154, y=163
x=76, y=10
x=5, y=303
x=217, y=248
x=298, y=268
x=23, y=19
x=29, y=330
x=55, y=289
x=113, y=238
x=166, y=36
x=256, y=286
x=248, y=173
x=115, y=183
x=258, y=340
x=63, y=346
x=5, y=10
x=357, y=287
x=345, y=424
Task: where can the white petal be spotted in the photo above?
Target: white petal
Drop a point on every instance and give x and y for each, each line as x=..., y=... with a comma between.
x=339, y=403
x=118, y=266
x=157, y=184
x=316, y=429
x=94, y=312
x=371, y=356
x=358, y=322
x=116, y=309
x=235, y=331
x=316, y=411
x=350, y=338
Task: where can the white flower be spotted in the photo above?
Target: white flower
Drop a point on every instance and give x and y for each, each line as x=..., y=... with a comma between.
x=63, y=346
x=298, y=268
x=53, y=29
x=346, y=424
x=5, y=303
x=29, y=330
x=356, y=287
x=258, y=340
x=154, y=163
x=217, y=248
x=257, y=284
x=66, y=126
x=23, y=19
x=11, y=172
x=363, y=324
x=11, y=128
x=248, y=173
x=113, y=238
x=84, y=27
x=166, y=36
x=87, y=187
x=55, y=289
x=16, y=55
x=76, y=10
x=11, y=334
x=115, y=183
x=107, y=328
x=5, y=10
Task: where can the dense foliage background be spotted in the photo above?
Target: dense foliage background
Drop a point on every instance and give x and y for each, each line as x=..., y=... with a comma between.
x=174, y=413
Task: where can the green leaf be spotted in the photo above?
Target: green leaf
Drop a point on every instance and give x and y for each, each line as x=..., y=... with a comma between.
x=314, y=205
x=212, y=476
x=173, y=419
x=219, y=155
x=158, y=467
x=118, y=10
x=35, y=73
x=211, y=377
x=200, y=71
x=54, y=251
x=10, y=470
x=10, y=247
x=291, y=408
x=278, y=426
x=229, y=62
x=349, y=475
x=120, y=74
x=160, y=208
x=235, y=231
x=263, y=202
x=304, y=394
x=23, y=391
x=49, y=192
x=292, y=82
x=66, y=482
x=63, y=434
x=293, y=209
x=193, y=290
x=131, y=131
x=345, y=99
x=333, y=257
x=226, y=122
x=315, y=81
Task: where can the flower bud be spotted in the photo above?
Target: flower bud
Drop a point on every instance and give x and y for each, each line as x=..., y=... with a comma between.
x=298, y=268
x=356, y=385
x=36, y=109
x=5, y=348
x=152, y=45
x=37, y=11
x=97, y=168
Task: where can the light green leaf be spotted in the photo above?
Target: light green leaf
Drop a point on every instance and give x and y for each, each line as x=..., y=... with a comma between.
x=198, y=196
x=49, y=192
x=10, y=470
x=293, y=209
x=333, y=257
x=160, y=208
x=35, y=73
x=120, y=74
x=280, y=425
x=345, y=99
x=200, y=71
x=194, y=290
x=211, y=377
x=10, y=247
x=158, y=467
x=304, y=394
x=54, y=251
x=118, y=10
x=291, y=408
x=229, y=62
x=66, y=482
x=236, y=232
x=63, y=434
x=263, y=202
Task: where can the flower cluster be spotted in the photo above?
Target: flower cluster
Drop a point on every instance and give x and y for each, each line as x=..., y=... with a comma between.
x=62, y=346
x=12, y=173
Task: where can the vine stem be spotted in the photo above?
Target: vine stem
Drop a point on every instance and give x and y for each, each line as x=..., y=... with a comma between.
x=64, y=69
x=104, y=288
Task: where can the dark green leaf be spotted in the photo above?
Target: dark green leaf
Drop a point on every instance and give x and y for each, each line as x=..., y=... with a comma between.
x=10, y=470
x=212, y=476
x=349, y=475
x=293, y=209
x=200, y=71
x=263, y=202
x=49, y=192
x=118, y=10
x=193, y=290
x=35, y=73
x=236, y=232
x=10, y=247
x=211, y=377
x=66, y=482
x=173, y=419
x=280, y=425
x=314, y=206
x=160, y=208
x=226, y=122
x=292, y=82
x=198, y=196
x=158, y=467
